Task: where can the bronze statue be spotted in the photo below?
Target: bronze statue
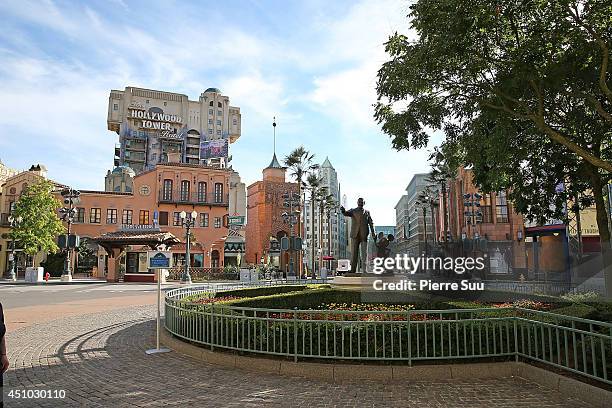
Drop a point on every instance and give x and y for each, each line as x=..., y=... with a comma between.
x=361, y=226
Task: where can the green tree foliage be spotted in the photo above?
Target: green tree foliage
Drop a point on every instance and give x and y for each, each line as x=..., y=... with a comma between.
x=536, y=63
x=40, y=225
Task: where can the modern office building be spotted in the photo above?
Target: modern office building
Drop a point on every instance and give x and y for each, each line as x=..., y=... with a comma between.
x=158, y=127
x=401, y=219
x=412, y=226
x=333, y=243
x=488, y=218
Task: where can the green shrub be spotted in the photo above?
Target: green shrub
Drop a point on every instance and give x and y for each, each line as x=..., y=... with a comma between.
x=580, y=297
x=261, y=291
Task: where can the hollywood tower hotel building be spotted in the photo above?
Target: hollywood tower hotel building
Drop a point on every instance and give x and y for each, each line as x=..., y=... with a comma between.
x=172, y=156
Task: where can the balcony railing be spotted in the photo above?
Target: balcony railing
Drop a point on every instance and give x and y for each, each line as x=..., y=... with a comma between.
x=195, y=198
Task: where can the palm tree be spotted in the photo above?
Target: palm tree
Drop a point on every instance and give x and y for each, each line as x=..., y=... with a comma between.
x=428, y=197
x=322, y=200
x=441, y=172
x=330, y=205
x=300, y=162
x=314, y=184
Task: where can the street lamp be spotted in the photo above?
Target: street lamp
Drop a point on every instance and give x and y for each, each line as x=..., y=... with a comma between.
x=188, y=223
x=67, y=214
x=14, y=222
x=291, y=218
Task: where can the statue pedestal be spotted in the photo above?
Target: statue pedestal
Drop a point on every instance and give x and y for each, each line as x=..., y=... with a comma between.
x=363, y=280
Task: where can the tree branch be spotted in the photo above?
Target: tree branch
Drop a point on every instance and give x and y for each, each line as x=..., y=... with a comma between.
x=605, y=59
x=564, y=140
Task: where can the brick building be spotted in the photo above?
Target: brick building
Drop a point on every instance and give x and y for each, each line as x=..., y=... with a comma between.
x=496, y=223
x=158, y=197
x=265, y=224
x=11, y=189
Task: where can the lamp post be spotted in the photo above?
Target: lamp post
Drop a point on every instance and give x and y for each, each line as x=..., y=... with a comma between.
x=291, y=218
x=188, y=223
x=14, y=222
x=67, y=214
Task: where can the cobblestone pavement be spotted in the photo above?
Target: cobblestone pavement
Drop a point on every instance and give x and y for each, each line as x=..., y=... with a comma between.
x=99, y=360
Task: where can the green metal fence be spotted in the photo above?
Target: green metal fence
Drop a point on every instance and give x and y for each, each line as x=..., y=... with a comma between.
x=578, y=345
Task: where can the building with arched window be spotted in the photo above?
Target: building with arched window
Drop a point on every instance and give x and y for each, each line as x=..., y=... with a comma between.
x=160, y=127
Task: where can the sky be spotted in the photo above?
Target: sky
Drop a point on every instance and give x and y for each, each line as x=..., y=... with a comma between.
x=312, y=64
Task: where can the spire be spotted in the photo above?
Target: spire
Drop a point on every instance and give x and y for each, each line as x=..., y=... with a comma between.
x=274, y=131
x=327, y=163
x=274, y=164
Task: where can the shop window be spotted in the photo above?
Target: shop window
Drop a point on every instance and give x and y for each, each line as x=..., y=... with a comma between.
x=214, y=259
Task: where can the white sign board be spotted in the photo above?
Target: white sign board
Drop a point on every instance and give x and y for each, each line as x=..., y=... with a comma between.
x=159, y=259
x=344, y=265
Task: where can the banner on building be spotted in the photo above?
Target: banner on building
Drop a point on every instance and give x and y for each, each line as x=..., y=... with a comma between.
x=210, y=149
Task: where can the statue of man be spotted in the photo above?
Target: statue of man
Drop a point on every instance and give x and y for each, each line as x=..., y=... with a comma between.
x=361, y=225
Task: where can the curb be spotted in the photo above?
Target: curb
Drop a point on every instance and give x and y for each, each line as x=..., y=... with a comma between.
x=567, y=387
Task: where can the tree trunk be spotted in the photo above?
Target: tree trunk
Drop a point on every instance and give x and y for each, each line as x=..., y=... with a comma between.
x=445, y=212
x=321, y=209
x=297, y=266
x=312, y=236
x=329, y=241
x=597, y=187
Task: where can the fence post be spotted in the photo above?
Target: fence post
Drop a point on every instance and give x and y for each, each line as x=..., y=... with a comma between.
x=409, y=341
x=211, y=331
x=295, y=335
x=515, y=319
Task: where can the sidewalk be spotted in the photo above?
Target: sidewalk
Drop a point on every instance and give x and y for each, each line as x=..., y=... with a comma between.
x=52, y=281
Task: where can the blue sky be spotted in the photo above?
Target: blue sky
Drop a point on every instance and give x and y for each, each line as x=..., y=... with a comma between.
x=311, y=63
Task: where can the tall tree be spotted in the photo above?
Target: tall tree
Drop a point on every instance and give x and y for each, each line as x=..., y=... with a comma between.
x=300, y=162
x=521, y=59
x=331, y=206
x=533, y=71
x=40, y=225
x=313, y=183
x=442, y=170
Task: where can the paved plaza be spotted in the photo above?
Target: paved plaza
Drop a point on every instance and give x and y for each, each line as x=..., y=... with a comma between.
x=99, y=360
